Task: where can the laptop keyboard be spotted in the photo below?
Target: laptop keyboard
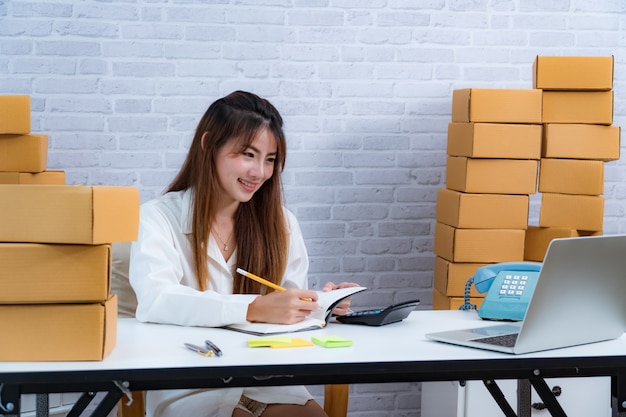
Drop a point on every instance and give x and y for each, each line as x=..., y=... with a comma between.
x=506, y=340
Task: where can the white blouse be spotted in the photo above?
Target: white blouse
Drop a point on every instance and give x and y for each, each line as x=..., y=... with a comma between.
x=163, y=277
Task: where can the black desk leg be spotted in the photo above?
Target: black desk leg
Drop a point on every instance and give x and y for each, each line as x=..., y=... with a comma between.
x=497, y=395
x=618, y=390
x=523, y=398
x=95, y=404
x=42, y=405
x=79, y=406
x=548, y=398
x=107, y=402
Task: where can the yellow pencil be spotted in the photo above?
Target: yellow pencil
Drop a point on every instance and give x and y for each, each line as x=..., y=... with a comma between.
x=264, y=281
x=260, y=280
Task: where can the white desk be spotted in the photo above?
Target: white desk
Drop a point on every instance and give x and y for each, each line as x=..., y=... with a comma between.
x=152, y=356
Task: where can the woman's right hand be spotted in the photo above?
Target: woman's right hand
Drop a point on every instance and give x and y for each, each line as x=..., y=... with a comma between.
x=283, y=307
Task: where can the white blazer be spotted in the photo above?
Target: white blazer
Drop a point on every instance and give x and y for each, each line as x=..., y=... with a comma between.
x=163, y=278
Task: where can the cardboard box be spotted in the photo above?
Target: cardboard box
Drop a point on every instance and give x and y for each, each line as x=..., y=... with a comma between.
x=571, y=176
x=450, y=277
x=494, y=140
x=492, y=105
x=581, y=212
x=59, y=332
x=538, y=239
x=49, y=273
x=52, y=177
x=573, y=72
x=442, y=302
x=479, y=245
x=15, y=114
x=580, y=141
x=23, y=153
x=590, y=107
x=491, y=176
x=482, y=211
x=76, y=214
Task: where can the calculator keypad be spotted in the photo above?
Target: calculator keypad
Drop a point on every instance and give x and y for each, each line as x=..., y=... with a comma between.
x=514, y=285
x=366, y=312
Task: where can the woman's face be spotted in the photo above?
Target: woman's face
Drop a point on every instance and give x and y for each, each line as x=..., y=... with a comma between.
x=242, y=173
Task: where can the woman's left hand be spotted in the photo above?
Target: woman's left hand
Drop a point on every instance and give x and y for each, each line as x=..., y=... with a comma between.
x=344, y=306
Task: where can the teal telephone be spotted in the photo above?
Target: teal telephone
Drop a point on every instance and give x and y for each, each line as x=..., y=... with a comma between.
x=510, y=286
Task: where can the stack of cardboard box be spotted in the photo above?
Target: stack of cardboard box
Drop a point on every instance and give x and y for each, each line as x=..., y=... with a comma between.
x=494, y=146
x=55, y=251
x=495, y=141
x=23, y=156
x=578, y=138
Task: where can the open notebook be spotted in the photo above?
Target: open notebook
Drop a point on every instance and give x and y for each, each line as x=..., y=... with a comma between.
x=317, y=320
x=580, y=298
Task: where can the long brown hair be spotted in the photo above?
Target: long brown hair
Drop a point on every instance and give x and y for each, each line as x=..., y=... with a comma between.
x=260, y=225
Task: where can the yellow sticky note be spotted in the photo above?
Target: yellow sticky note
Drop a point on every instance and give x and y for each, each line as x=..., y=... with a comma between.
x=295, y=342
x=278, y=342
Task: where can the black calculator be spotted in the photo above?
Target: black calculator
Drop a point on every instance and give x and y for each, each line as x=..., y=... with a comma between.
x=380, y=316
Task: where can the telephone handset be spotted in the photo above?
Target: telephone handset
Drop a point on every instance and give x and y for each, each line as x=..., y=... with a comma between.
x=510, y=286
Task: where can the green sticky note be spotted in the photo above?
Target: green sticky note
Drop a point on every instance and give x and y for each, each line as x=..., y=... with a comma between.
x=331, y=341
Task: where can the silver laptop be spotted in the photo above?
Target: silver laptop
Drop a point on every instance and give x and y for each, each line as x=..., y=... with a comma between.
x=580, y=298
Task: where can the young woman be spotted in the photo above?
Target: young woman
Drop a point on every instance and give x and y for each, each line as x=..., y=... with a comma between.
x=222, y=211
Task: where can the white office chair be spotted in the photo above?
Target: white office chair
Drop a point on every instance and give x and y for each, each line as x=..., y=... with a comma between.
x=335, y=395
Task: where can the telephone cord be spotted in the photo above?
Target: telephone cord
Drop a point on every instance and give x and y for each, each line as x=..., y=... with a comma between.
x=466, y=296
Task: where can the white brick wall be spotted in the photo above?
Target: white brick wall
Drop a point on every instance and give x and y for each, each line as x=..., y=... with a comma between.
x=364, y=86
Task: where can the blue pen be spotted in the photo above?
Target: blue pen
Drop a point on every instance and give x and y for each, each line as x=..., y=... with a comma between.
x=213, y=347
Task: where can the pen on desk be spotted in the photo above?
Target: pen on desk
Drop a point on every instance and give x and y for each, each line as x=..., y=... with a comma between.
x=264, y=282
x=213, y=347
x=200, y=350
